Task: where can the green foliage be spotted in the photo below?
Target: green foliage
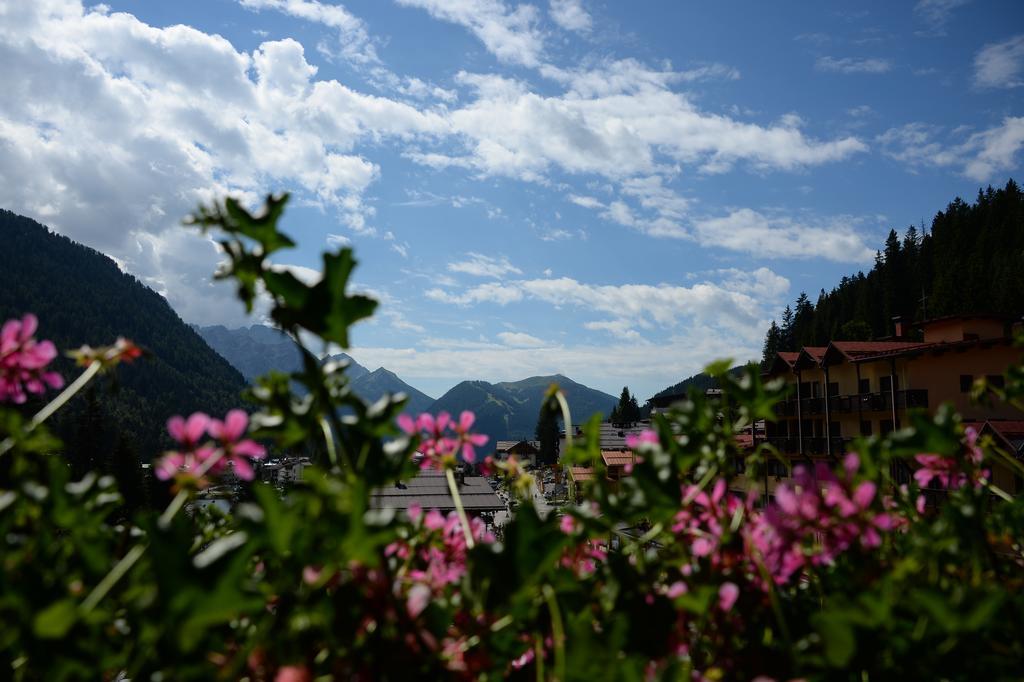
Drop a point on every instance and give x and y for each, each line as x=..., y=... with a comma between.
x=617, y=588
x=968, y=262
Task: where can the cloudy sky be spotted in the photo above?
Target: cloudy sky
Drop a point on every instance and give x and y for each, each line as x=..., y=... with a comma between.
x=618, y=191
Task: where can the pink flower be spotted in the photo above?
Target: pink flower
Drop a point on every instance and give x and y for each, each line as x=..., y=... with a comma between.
x=567, y=525
x=728, y=593
x=441, y=439
x=293, y=673
x=637, y=441
x=23, y=361
x=948, y=471
x=818, y=517
x=469, y=441
x=233, y=449
x=237, y=451
x=417, y=600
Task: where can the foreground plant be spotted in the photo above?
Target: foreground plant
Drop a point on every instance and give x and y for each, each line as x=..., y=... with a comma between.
x=668, y=573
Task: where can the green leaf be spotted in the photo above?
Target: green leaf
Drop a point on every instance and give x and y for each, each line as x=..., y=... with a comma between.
x=55, y=620
x=837, y=636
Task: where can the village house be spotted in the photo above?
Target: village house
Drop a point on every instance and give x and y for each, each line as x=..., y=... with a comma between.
x=863, y=388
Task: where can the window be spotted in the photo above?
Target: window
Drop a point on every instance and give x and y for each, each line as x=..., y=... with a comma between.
x=741, y=465
x=777, y=468
x=885, y=383
x=805, y=389
x=833, y=388
x=819, y=428
x=885, y=426
x=966, y=381
x=864, y=386
x=996, y=380
x=834, y=430
x=865, y=427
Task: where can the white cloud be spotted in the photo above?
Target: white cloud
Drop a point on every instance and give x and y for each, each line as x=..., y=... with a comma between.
x=995, y=150
x=480, y=265
x=354, y=42
x=520, y=340
x=625, y=306
x=980, y=156
x=752, y=232
x=935, y=14
x=492, y=292
x=619, y=76
x=853, y=65
x=761, y=283
x=617, y=135
x=1000, y=65
x=570, y=15
x=510, y=35
x=115, y=122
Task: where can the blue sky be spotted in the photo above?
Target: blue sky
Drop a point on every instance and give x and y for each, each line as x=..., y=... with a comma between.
x=617, y=191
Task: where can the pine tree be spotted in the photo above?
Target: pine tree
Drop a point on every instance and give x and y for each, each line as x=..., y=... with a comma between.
x=772, y=344
x=547, y=433
x=786, y=341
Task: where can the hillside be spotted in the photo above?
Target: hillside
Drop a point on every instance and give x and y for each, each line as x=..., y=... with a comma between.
x=509, y=409
x=971, y=260
x=375, y=384
x=259, y=349
x=699, y=381
x=82, y=297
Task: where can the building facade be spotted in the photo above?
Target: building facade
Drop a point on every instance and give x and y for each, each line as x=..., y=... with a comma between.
x=861, y=388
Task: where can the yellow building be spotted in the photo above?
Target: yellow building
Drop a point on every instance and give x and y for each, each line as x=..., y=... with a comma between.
x=853, y=388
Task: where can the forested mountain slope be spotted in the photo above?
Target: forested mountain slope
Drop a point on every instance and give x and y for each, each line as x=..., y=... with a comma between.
x=82, y=297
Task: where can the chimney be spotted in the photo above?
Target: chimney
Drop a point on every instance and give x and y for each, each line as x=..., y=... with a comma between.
x=898, y=322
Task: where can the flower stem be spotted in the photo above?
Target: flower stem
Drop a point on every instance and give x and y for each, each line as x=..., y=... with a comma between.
x=557, y=631
x=332, y=452
x=120, y=569
x=458, y=507
x=57, y=403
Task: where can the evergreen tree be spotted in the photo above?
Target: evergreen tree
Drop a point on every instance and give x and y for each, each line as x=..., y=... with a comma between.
x=971, y=260
x=627, y=411
x=787, y=343
x=547, y=433
x=772, y=344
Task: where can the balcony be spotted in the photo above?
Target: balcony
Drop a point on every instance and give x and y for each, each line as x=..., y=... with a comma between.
x=813, y=445
x=857, y=402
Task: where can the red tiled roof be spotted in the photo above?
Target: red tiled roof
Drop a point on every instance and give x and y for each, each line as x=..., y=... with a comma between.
x=744, y=440
x=815, y=352
x=870, y=347
x=581, y=473
x=788, y=357
x=1008, y=428
x=613, y=458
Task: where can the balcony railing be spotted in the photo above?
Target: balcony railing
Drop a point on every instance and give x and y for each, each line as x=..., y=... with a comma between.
x=857, y=402
x=813, y=445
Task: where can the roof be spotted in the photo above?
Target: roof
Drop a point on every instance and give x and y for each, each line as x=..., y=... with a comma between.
x=1010, y=431
x=429, y=489
x=838, y=351
x=581, y=473
x=616, y=458
x=868, y=351
x=506, y=445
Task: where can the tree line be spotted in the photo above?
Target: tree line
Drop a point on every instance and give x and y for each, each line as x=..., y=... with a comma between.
x=970, y=260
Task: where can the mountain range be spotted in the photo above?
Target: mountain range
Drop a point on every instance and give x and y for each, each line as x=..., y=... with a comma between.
x=503, y=411
x=259, y=349
x=82, y=297
x=509, y=410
